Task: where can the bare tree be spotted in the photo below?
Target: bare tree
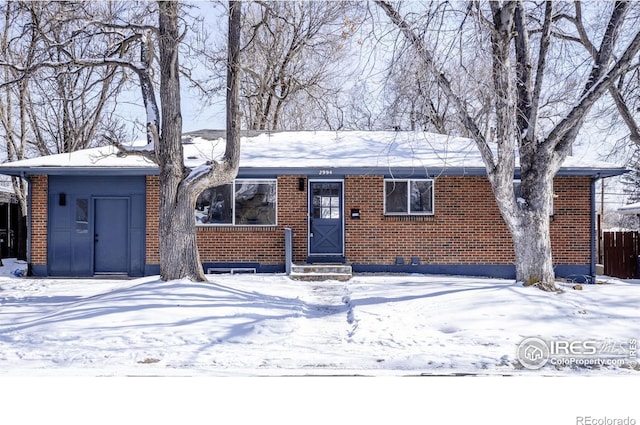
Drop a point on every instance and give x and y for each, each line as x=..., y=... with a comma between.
x=290, y=60
x=68, y=107
x=295, y=63
x=517, y=82
x=631, y=180
x=14, y=137
x=413, y=99
x=624, y=92
x=180, y=186
x=49, y=110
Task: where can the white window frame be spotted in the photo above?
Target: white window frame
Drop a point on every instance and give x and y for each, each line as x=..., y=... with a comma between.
x=409, y=213
x=233, y=205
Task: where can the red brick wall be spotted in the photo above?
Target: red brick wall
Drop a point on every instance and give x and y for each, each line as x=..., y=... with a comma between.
x=466, y=229
x=570, y=235
x=39, y=205
x=263, y=244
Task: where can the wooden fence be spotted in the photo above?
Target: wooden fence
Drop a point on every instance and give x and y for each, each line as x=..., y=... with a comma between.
x=621, y=251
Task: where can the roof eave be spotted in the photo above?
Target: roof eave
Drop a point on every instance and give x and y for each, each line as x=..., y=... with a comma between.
x=76, y=171
x=406, y=172
x=324, y=172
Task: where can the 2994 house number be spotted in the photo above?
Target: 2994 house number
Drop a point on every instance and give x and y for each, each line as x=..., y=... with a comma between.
x=325, y=172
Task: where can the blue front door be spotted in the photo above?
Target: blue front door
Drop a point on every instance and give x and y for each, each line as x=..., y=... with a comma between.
x=325, y=219
x=111, y=235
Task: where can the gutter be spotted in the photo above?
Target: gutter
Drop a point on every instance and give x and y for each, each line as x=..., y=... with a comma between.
x=249, y=171
x=29, y=225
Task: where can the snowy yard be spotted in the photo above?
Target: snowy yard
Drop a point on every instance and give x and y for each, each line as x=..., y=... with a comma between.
x=250, y=325
x=241, y=326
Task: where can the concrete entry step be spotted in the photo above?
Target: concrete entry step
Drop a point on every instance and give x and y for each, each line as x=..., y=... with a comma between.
x=318, y=272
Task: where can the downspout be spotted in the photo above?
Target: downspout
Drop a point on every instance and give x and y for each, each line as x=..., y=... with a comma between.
x=29, y=208
x=594, y=225
x=592, y=268
x=288, y=249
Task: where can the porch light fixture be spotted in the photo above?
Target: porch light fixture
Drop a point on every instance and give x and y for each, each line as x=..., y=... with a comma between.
x=301, y=184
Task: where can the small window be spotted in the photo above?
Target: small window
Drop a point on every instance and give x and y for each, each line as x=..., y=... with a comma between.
x=243, y=203
x=326, y=201
x=408, y=197
x=82, y=216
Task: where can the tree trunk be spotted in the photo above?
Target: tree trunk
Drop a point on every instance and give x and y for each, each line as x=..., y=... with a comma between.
x=179, y=256
x=526, y=213
x=532, y=245
x=528, y=223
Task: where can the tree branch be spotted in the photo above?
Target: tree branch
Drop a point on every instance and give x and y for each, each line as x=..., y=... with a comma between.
x=614, y=91
x=443, y=82
x=545, y=41
x=564, y=133
x=232, y=150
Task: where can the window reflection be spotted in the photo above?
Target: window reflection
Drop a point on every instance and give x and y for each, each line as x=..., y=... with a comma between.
x=411, y=196
x=255, y=203
x=246, y=202
x=326, y=201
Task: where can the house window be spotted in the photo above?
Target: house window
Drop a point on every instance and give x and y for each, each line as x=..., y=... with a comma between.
x=408, y=197
x=326, y=200
x=242, y=203
x=82, y=215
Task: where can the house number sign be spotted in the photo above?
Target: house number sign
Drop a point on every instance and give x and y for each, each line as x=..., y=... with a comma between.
x=325, y=172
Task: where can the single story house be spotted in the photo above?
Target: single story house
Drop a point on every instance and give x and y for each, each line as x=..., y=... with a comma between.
x=379, y=201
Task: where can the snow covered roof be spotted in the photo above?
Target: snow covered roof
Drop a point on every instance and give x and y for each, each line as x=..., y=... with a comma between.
x=630, y=209
x=305, y=152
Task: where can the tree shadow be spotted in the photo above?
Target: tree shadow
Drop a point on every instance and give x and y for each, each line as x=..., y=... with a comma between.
x=385, y=300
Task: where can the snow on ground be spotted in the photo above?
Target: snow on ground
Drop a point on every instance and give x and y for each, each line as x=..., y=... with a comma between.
x=226, y=351
x=269, y=325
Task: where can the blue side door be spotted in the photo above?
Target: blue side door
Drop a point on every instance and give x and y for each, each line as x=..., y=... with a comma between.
x=326, y=221
x=111, y=235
